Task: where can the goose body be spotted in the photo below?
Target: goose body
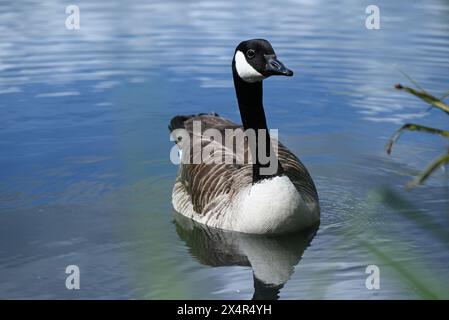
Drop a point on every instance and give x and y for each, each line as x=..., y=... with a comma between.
x=237, y=195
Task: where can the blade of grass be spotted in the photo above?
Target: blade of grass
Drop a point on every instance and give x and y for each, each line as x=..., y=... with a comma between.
x=413, y=127
x=426, y=97
x=445, y=95
x=429, y=170
x=412, y=80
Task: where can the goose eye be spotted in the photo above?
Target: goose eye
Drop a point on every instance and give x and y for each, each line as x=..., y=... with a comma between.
x=250, y=53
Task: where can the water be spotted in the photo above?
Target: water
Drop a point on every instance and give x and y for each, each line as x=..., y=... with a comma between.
x=85, y=174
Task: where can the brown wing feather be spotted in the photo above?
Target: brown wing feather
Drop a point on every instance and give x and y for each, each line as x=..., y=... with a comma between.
x=208, y=183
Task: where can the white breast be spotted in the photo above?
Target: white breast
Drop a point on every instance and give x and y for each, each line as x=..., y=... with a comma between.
x=273, y=206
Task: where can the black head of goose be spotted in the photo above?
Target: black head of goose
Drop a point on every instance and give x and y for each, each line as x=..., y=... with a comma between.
x=254, y=61
x=249, y=197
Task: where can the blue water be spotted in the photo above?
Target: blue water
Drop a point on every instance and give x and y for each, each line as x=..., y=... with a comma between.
x=85, y=176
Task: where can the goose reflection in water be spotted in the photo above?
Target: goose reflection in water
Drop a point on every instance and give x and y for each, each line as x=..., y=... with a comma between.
x=272, y=259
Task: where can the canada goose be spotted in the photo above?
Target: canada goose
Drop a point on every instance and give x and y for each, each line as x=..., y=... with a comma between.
x=241, y=197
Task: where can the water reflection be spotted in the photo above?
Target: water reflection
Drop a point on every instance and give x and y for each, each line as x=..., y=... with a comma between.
x=272, y=259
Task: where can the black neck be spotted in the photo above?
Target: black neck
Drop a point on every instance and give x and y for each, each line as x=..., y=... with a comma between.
x=250, y=100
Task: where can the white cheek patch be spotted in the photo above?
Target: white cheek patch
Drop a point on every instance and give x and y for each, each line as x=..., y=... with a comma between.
x=245, y=70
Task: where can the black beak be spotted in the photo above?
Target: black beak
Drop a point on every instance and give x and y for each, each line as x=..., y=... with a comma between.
x=276, y=68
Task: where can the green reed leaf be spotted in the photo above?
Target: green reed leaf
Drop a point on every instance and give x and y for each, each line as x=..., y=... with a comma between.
x=423, y=95
x=413, y=127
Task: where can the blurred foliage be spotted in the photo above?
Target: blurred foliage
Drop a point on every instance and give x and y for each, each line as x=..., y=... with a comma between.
x=401, y=259
x=406, y=261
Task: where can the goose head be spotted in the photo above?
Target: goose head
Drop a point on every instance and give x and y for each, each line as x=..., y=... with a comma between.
x=255, y=60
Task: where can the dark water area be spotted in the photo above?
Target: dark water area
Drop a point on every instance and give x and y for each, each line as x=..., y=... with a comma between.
x=85, y=173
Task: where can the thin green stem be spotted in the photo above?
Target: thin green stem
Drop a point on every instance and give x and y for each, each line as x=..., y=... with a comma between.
x=445, y=95
x=442, y=160
x=412, y=80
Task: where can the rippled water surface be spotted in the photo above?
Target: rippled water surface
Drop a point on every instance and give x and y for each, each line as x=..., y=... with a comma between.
x=85, y=176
